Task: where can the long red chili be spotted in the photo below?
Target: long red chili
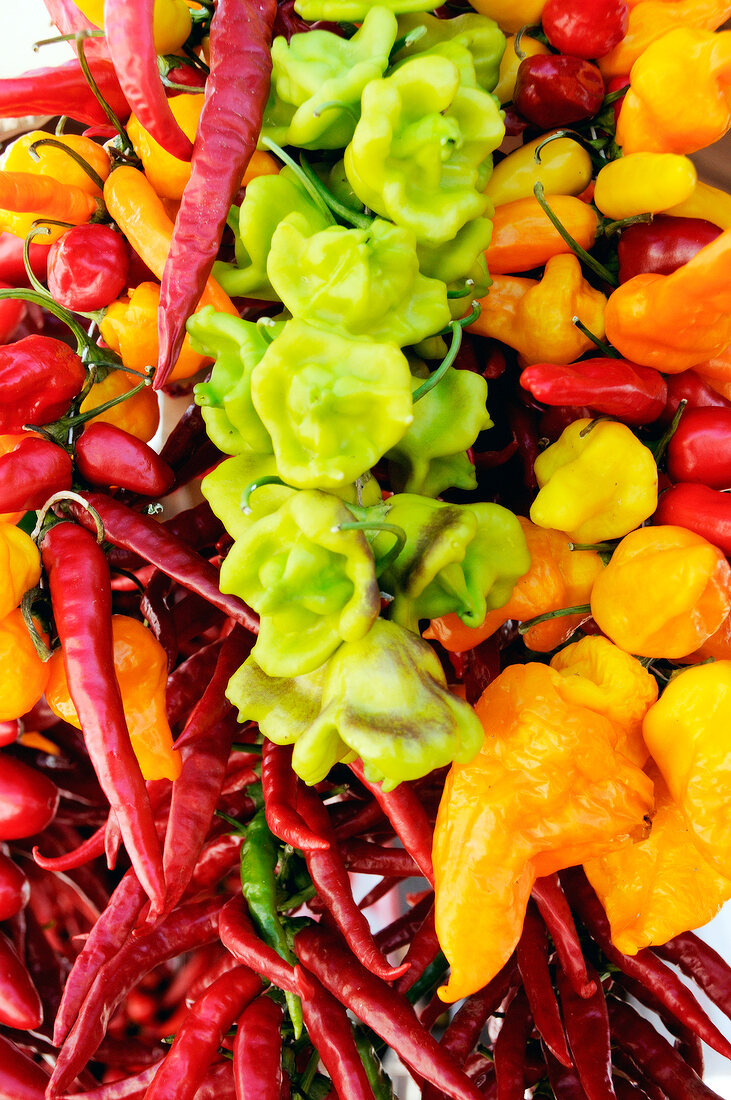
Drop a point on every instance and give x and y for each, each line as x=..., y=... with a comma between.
x=408, y=817
x=63, y=90
x=236, y=94
x=401, y=930
x=510, y=1049
x=422, y=952
x=330, y=1031
x=107, y=455
x=258, y=1051
x=553, y=907
x=238, y=935
x=532, y=955
x=684, y=1037
x=564, y=1082
x=612, y=387
x=279, y=784
x=20, y=1004
x=372, y=859
x=81, y=597
x=356, y=818
x=186, y=681
x=466, y=1025
x=699, y=961
x=587, y=1030
x=88, y=850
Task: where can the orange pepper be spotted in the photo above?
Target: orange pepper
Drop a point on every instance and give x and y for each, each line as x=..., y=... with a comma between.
x=129, y=327
x=523, y=237
x=139, y=415
x=57, y=164
x=25, y=198
x=651, y=19
x=23, y=675
x=141, y=668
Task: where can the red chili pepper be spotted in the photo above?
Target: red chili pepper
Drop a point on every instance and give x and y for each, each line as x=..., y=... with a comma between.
x=401, y=930
x=408, y=817
x=684, y=1037
x=553, y=907
x=468, y=1022
x=648, y=1090
x=700, y=509
x=371, y=859
x=611, y=387
x=12, y=312
x=185, y=682
x=329, y=1029
x=63, y=90
x=39, y=377
x=585, y=28
x=564, y=1082
x=88, y=267
x=699, y=961
x=422, y=952
x=279, y=786
x=105, y=454
x=218, y=857
x=510, y=1049
x=238, y=935
x=587, y=1030
x=385, y=886
x=662, y=245
x=356, y=818
x=31, y=473
x=28, y=800
x=81, y=597
x=700, y=448
x=14, y=888
x=258, y=1051
x=157, y=613
x=12, y=268
x=556, y=90
x=236, y=94
x=532, y=954
x=188, y=435
x=128, y=29
x=522, y=423
x=20, y=1005
x=20, y=1077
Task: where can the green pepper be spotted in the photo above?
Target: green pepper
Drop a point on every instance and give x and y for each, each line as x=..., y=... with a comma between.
x=267, y=202
x=318, y=79
x=478, y=34
x=332, y=405
x=383, y=698
x=421, y=152
x=461, y=259
x=365, y=282
x=447, y=421
x=460, y=558
x=313, y=584
x=353, y=11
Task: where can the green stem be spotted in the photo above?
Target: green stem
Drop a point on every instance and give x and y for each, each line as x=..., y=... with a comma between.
x=26, y=610
x=310, y=1072
x=94, y=88
x=61, y=126
x=580, y=609
x=46, y=302
x=271, y=479
x=466, y=290
x=593, y=264
x=34, y=231
x=82, y=418
x=391, y=528
x=531, y=31
x=304, y=179
x=622, y=223
x=613, y=97
x=83, y=164
x=407, y=40
x=606, y=348
x=68, y=494
x=600, y=547
x=353, y=217
x=435, y=378
x=661, y=446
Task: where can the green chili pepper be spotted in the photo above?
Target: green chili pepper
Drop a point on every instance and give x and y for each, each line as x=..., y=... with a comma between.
x=379, y=1081
x=353, y=11
x=477, y=34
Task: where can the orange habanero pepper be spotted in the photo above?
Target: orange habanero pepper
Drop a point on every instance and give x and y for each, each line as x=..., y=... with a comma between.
x=523, y=236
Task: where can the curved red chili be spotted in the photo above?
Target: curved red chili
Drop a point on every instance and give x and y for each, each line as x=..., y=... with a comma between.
x=279, y=785
x=238, y=935
x=329, y=1028
x=258, y=1051
x=20, y=1005
x=408, y=817
x=510, y=1048
x=587, y=1030
x=532, y=954
x=699, y=961
x=555, y=910
x=107, y=455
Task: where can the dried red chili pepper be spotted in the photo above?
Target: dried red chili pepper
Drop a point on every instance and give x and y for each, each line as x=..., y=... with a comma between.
x=63, y=90
x=185, y=682
x=88, y=267
x=585, y=28
x=20, y=1076
x=532, y=955
x=155, y=610
x=557, y=89
x=279, y=785
x=40, y=377
x=587, y=1030
x=408, y=817
x=510, y=1049
x=20, y=1005
x=258, y=1051
x=402, y=930
x=31, y=473
x=356, y=819
x=611, y=387
x=699, y=961
x=422, y=952
x=467, y=1023
x=371, y=859
x=107, y=455
x=329, y=1028
x=238, y=935
x=564, y=1082
x=236, y=94
x=553, y=907
x=683, y=1036
x=662, y=245
x=28, y=799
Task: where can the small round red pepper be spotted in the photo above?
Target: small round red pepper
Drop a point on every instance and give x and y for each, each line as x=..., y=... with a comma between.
x=14, y=889
x=108, y=455
x=690, y=387
x=88, y=267
x=700, y=509
x=556, y=90
x=585, y=28
x=39, y=377
x=28, y=800
x=662, y=245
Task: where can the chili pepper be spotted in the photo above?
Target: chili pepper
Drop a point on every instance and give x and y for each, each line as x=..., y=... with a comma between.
x=11, y=314
x=25, y=197
x=564, y=168
x=330, y=879
x=31, y=473
x=532, y=955
x=66, y=158
x=465, y=1027
x=369, y=859
x=81, y=597
x=689, y=386
x=509, y=1050
x=706, y=204
x=184, y=683
x=509, y=64
x=423, y=951
x=684, y=1036
x=362, y=821
x=662, y=245
x=105, y=453
x=611, y=387
x=157, y=545
x=279, y=784
x=14, y=888
x=258, y=1051
x=188, y=435
x=20, y=1076
x=622, y=189
x=28, y=800
x=238, y=935
x=63, y=89
x=648, y=23
x=584, y=29
x=139, y=414
x=402, y=929
x=565, y=1083
x=699, y=448
x=159, y=617
x=237, y=90
x=523, y=237
x=218, y=857
x=20, y=1005
x=12, y=268
x=557, y=89
x=553, y=907
x=407, y=816
x=330, y=1031
x=699, y=961
x=587, y=1030
x=40, y=377
x=88, y=267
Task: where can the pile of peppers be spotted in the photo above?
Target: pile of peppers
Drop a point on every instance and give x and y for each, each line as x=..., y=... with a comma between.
x=429, y=582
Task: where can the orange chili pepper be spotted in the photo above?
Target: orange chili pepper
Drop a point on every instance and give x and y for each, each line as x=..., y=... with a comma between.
x=26, y=197
x=651, y=19
x=23, y=675
x=523, y=237
x=129, y=327
x=139, y=415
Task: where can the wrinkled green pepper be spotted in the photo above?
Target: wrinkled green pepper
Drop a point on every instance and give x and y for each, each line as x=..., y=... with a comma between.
x=353, y=10
x=478, y=34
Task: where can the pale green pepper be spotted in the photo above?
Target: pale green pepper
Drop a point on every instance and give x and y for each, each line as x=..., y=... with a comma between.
x=354, y=11
x=479, y=35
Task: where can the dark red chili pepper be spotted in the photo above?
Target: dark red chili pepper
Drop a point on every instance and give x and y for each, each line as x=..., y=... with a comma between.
x=699, y=961
x=202, y=1033
x=105, y=454
x=258, y=1051
x=564, y=1082
x=624, y=1064
x=12, y=312
x=20, y=1077
x=63, y=90
x=662, y=245
x=382, y=1009
x=556, y=90
x=406, y=813
x=330, y=1031
x=187, y=436
x=356, y=818
x=587, y=1030
x=510, y=1049
x=81, y=597
x=554, y=908
x=690, y=387
x=522, y=423
x=40, y=377
x=186, y=681
x=153, y=542
x=196, y=526
x=685, y=1038
x=20, y=1005
x=402, y=930
x=238, y=935
x=31, y=473
x=467, y=1023
x=45, y=966
x=14, y=888
x=690, y=1050
x=422, y=952
x=532, y=954
x=12, y=268
x=155, y=610
x=125, y=1088
x=218, y=857
x=88, y=267
x=372, y=859
x=279, y=785
x=612, y=387
x=585, y=28
x=700, y=448
x=331, y=881
x=385, y=886
x=128, y=30
x=627, y=1090
x=236, y=94
x=28, y=800
x=700, y=509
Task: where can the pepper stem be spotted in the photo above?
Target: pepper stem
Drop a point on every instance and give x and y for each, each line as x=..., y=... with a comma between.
x=83, y=164
x=41, y=298
x=304, y=179
x=68, y=494
x=600, y=547
x=407, y=40
x=375, y=525
x=586, y=258
x=606, y=348
x=580, y=609
x=270, y=479
x=353, y=217
x=435, y=378
x=26, y=610
x=79, y=37
x=34, y=231
x=659, y=448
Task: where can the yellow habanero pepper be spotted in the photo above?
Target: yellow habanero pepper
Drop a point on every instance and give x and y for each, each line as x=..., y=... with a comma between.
x=139, y=415
x=597, y=481
x=651, y=19
x=171, y=22
x=664, y=592
x=20, y=566
x=706, y=202
x=536, y=318
x=23, y=675
x=661, y=886
x=498, y=829
x=510, y=63
x=129, y=327
x=141, y=668
x=698, y=63
x=523, y=236
x=511, y=15
x=564, y=169
x=643, y=183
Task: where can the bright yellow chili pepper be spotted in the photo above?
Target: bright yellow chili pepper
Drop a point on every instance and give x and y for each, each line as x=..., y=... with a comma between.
x=20, y=566
x=510, y=63
x=709, y=203
x=511, y=15
x=564, y=169
x=56, y=163
x=171, y=22
x=651, y=19
x=643, y=183
x=523, y=236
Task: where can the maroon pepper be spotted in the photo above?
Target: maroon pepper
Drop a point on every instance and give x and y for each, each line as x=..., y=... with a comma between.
x=700, y=448
x=422, y=952
x=467, y=1023
x=554, y=908
x=585, y=28
x=694, y=390
x=20, y=1005
x=40, y=377
x=31, y=473
x=700, y=509
x=279, y=787
x=408, y=817
x=258, y=1051
x=105, y=454
x=662, y=245
x=556, y=90
x=330, y=1031
x=510, y=1049
x=611, y=387
x=699, y=961
x=371, y=859
x=88, y=267
x=532, y=954
x=63, y=90
x=587, y=1030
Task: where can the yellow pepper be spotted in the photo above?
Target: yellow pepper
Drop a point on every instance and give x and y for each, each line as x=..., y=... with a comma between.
x=564, y=169
x=56, y=163
x=597, y=481
x=511, y=15
x=687, y=733
x=169, y=175
x=129, y=327
x=604, y=678
x=651, y=19
x=697, y=64
x=20, y=566
x=536, y=318
x=661, y=886
x=709, y=203
x=139, y=415
x=141, y=668
x=23, y=675
x=523, y=236
x=642, y=183
x=26, y=198
x=510, y=63
x=664, y=592
x=499, y=827
x=171, y=22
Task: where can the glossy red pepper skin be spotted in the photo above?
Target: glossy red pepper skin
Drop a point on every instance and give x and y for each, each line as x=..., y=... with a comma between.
x=239, y=937
x=700, y=449
x=14, y=888
x=11, y=314
x=279, y=786
x=691, y=388
x=28, y=799
x=585, y=28
x=700, y=509
x=20, y=1076
x=39, y=377
x=587, y=1029
x=663, y=245
x=532, y=954
x=105, y=454
x=612, y=387
x=329, y=1029
x=62, y=90
x=12, y=268
x=556, y=90
x=258, y=1051
x=31, y=473
x=88, y=267
x=20, y=1005
x=701, y=963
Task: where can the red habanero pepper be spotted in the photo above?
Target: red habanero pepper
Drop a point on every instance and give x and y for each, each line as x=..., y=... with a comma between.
x=236, y=94
x=690, y=387
x=699, y=961
x=510, y=1048
x=587, y=1030
x=555, y=910
x=557, y=89
x=63, y=90
x=88, y=267
x=128, y=29
x=31, y=473
x=81, y=598
x=408, y=817
x=279, y=787
x=330, y=1031
x=532, y=954
x=662, y=245
x=20, y=1076
x=12, y=268
x=700, y=509
x=28, y=800
x=700, y=448
x=258, y=1051
x=39, y=377
x=105, y=454
x=239, y=937
x=14, y=888
x=585, y=28
x=382, y=1009
x=20, y=1005
x=611, y=387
